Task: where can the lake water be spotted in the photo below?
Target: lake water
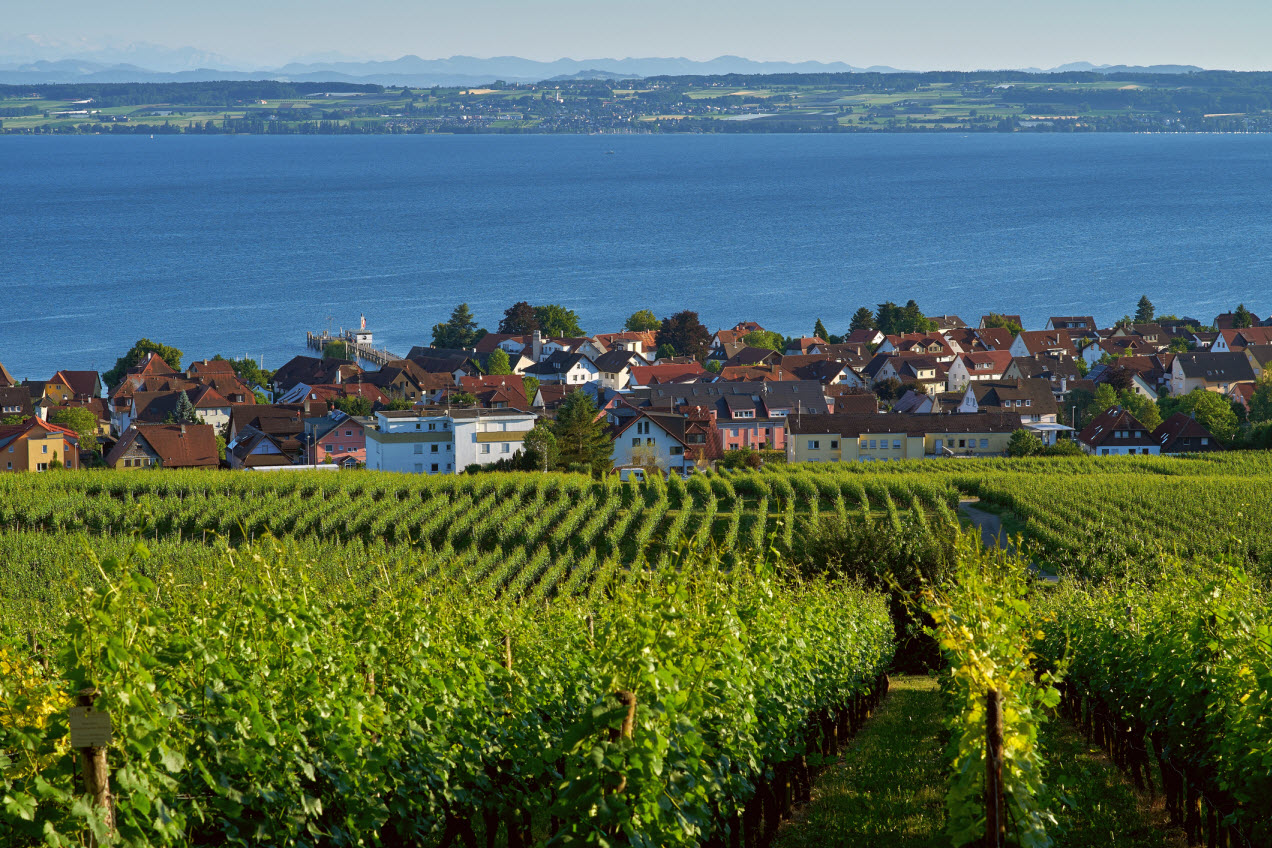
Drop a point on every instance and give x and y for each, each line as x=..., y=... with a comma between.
x=239, y=245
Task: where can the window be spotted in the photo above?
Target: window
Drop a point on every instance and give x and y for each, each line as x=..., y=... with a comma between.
x=872, y=444
x=896, y=443
x=834, y=444
x=505, y=447
x=419, y=468
x=44, y=448
x=432, y=425
x=814, y=444
x=962, y=443
x=43, y=466
x=1204, y=440
x=733, y=432
x=863, y=444
x=417, y=425
x=984, y=443
x=636, y=441
x=485, y=449
x=677, y=450
x=433, y=467
x=1104, y=451
x=432, y=449
x=348, y=432
x=419, y=448
x=448, y=447
x=649, y=441
x=1028, y=401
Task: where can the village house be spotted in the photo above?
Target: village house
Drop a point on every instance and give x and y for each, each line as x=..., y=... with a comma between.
x=1071, y=322
x=1116, y=432
x=976, y=366
x=1181, y=433
x=615, y=368
x=1228, y=341
x=650, y=440
x=15, y=401
x=1036, y=342
x=436, y=441
x=1031, y=400
x=573, y=369
x=336, y=438
x=35, y=445
x=882, y=438
x=165, y=446
x=748, y=415
x=1214, y=372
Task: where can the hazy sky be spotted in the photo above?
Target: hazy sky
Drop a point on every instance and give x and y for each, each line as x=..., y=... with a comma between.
x=920, y=34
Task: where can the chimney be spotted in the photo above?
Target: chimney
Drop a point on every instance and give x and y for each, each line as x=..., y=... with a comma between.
x=183, y=429
x=536, y=345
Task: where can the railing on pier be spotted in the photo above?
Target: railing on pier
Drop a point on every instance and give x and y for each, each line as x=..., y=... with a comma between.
x=365, y=352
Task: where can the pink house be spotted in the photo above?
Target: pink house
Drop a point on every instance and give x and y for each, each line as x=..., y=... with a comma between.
x=342, y=441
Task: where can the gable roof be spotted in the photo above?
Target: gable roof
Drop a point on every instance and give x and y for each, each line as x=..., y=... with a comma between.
x=672, y=372
x=1034, y=395
x=176, y=445
x=1113, y=420
x=614, y=361
x=16, y=397
x=6, y=379
x=1180, y=426
x=81, y=383
x=1215, y=367
x=995, y=338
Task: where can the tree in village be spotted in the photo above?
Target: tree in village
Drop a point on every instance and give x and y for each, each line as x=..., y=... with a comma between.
x=580, y=434
x=641, y=321
x=819, y=331
x=765, y=339
x=1261, y=400
x=1024, y=443
x=184, y=412
x=134, y=357
x=685, y=334
x=1241, y=319
x=995, y=321
x=82, y=421
x=862, y=319
x=1144, y=311
x=464, y=400
x=355, y=405
x=1211, y=409
x=336, y=350
x=519, y=320
x=531, y=384
x=498, y=362
x=557, y=321
x=541, y=447
x=459, y=332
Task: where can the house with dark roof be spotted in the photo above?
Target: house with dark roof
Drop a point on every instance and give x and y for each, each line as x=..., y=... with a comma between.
x=572, y=369
x=16, y=401
x=1213, y=372
x=1237, y=340
x=881, y=438
x=615, y=367
x=976, y=366
x=752, y=356
x=1031, y=400
x=6, y=379
x=1071, y=322
x=1181, y=433
x=1116, y=432
x=253, y=448
x=165, y=446
x=312, y=370
x=1034, y=342
x=748, y=414
x=1225, y=320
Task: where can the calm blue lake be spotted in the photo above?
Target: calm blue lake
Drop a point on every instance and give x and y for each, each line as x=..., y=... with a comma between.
x=238, y=245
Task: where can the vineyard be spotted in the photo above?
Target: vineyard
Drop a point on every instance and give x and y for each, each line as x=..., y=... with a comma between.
x=507, y=659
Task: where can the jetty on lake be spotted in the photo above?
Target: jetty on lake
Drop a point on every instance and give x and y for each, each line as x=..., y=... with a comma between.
x=358, y=342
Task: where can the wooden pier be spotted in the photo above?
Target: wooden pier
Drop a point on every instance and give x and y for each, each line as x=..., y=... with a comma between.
x=365, y=352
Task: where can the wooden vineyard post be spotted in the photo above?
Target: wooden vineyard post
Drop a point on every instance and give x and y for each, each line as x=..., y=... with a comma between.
x=627, y=699
x=995, y=822
x=91, y=733
x=508, y=651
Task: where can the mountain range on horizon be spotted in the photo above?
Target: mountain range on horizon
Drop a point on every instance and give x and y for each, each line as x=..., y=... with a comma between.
x=152, y=63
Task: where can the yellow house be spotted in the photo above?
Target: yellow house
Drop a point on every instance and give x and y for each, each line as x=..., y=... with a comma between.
x=863, y=437
x=34, y=445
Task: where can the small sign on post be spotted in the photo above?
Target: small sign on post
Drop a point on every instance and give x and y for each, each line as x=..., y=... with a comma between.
x=91, y=734
x=90, y=728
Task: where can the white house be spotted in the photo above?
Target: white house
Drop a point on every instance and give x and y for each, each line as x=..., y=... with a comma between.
x=434, y=442
x=978, y=365
x=483, y=436
x=574, y=369
x=650, y=438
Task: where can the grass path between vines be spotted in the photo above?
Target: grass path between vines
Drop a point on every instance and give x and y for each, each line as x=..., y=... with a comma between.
x=888, y=787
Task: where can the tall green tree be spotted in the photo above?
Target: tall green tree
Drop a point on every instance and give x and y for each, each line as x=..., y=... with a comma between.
x=82, y=421
x=531, y=384
x=580, y=433
x=819, y=330
x=557, y=321
x=765, y=339
x=994, y=320
x=1261, y=400
x=519, y=320
x=1144, y=311
x=1211, y=409
x=1241, y=319
x=641, y=321
x=498, y=362
x=355, y=405
x=685, y=334
x=460, y=331
x=541, y=447
x=184, y=412
x=862, y=319
x=136, y=354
